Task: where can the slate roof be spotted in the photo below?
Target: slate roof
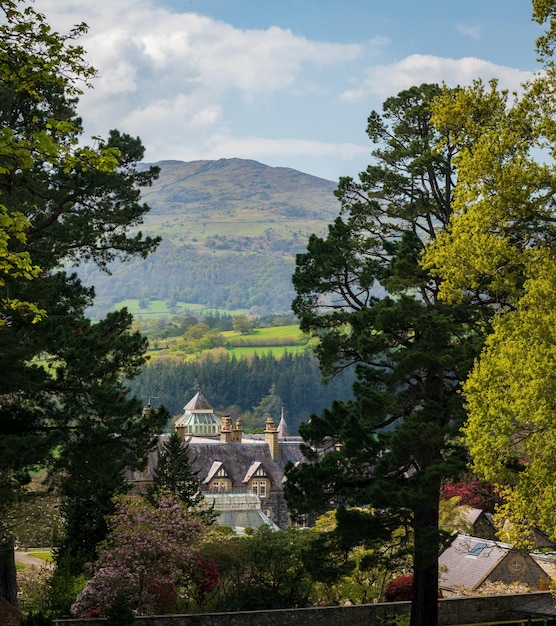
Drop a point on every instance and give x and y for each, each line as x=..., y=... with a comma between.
x=240, y=460
x=209, y=454
x=283, y=430
x=467, y=561
x=471, y=514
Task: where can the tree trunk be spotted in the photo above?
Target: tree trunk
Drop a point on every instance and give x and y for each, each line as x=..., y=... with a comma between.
x=424, y=604
x=8, y=579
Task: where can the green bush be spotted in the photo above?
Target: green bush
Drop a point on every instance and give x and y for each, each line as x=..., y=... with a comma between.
x=36, y=619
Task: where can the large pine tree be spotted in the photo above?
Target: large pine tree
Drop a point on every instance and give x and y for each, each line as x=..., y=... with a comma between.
x=363, y=293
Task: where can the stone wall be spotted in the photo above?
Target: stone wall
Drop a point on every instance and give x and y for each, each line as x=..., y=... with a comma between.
x=452, y=612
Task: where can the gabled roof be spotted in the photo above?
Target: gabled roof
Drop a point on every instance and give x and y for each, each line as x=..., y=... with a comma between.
x=255, y=465
x=240, y=460
x=236, y=459
x=471, y=514
x=467, y=561
x=216, y=465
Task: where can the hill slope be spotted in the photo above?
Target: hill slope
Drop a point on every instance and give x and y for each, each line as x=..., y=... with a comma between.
x=230, y=229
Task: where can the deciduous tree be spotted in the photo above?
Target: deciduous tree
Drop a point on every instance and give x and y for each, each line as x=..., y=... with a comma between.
x=500, y=248
x=151, y=553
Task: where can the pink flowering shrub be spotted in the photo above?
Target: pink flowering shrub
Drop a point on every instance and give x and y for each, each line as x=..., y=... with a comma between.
x=205, y=576
x=150, y=553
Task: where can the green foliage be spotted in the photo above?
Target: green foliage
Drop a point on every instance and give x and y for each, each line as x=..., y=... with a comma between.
x=173, y=476
x=36, y=519
x=544, y=13
x=62, y=588
x=36, y=619
x=243, y=383
x=499, y=249
x=363, y=292
x=62, y=394
x=354, y=575
x=119, y=612
x=267, y=569
x=243, y=324
x=151, y=554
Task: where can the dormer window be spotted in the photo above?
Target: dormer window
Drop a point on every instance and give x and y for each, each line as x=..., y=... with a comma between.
x=260, y=487
x=218, y=478
x=257, y=480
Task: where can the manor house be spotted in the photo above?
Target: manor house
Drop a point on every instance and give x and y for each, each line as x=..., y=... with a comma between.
x=241, y=475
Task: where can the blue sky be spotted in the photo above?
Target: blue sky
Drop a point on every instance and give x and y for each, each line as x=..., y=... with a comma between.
x=284, y=82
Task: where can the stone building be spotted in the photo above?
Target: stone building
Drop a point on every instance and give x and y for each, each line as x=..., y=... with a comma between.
x=228, y=461
x=469, y=562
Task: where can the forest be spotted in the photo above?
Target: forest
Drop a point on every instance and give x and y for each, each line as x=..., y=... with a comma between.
x=250, y=387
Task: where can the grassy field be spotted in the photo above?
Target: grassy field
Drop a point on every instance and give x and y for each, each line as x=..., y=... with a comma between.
x=272, y=336
x=160, y=308
x=275, y=340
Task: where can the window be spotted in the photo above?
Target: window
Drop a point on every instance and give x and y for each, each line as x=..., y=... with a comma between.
x=259, y=487
x=477, y=549
x=516, y=564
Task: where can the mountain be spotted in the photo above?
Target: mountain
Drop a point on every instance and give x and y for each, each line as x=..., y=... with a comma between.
x=230, y=231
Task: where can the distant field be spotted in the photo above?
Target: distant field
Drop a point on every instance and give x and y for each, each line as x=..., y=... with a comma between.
x=276, y=340
x=289, y=335
x=160, y=308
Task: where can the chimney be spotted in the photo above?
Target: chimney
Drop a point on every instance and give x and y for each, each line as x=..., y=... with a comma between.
x=226, y=430
x=237, y=432
x=271, y=438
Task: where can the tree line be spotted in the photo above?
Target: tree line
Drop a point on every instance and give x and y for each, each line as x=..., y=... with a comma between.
x=239, y=386
x=218, y=280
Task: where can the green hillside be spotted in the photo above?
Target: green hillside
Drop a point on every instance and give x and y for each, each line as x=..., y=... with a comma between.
x=230, y=229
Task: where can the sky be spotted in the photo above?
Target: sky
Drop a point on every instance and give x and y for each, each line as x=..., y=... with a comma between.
x=288, y=83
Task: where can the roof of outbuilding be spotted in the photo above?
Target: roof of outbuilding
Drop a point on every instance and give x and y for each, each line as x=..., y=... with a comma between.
x=467, y=561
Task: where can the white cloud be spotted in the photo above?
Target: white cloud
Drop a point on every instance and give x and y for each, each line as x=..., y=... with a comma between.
x=266, y=150
x=385, y=80
x=164, y=74
x=229, y=146
x=469, y=31
x=193, y=87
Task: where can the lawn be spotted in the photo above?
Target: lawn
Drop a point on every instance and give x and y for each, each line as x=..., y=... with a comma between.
x=44, y=553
